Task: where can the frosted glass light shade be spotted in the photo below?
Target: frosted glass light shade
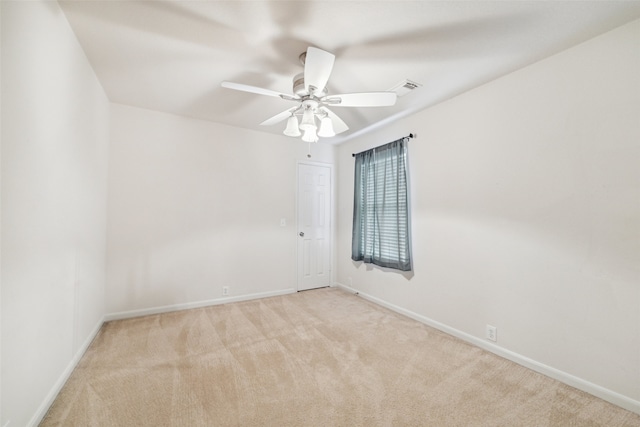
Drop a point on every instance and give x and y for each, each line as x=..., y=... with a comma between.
x=308, y=120
x=310, y=135
x=326, y=128
x=292, y=127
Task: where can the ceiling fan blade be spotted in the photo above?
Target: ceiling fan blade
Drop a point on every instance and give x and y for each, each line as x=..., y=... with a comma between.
x=279, y=117
x=338, y=125
x=317, y=68
x=364, y=99
x=258, y=90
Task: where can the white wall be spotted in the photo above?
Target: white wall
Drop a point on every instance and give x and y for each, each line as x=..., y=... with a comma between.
x=526, y=214
x=195, y=206
x=54, y=166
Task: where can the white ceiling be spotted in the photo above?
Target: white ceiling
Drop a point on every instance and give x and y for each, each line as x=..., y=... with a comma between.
x=171, y=56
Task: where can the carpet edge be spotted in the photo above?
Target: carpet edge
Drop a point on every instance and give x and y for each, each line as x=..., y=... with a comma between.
x=42, y=410
x=603, y=393
x=189, y=305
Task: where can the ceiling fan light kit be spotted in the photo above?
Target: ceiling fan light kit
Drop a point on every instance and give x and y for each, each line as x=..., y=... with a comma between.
x=308, y=118
x=310, y=89
x=326, y=128
x=292, y=128
x=310, y=135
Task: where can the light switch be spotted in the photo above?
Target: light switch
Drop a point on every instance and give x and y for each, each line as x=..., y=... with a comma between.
x=283, y=222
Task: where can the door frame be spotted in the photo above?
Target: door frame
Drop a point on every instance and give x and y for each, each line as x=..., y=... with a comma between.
x=331, y=217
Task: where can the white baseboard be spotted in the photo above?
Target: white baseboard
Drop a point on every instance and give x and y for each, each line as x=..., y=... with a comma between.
x=579, y=383
x=185, y=306
x=48, y=401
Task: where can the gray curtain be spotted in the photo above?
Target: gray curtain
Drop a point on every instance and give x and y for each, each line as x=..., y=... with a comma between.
x=381, y=223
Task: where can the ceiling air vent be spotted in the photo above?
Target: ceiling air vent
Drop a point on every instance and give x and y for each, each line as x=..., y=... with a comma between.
x=404, y=87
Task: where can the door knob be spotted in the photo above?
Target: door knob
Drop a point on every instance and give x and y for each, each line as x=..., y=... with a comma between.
x=302, y=234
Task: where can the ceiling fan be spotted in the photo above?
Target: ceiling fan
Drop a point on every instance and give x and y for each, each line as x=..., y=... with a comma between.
x=310, y=91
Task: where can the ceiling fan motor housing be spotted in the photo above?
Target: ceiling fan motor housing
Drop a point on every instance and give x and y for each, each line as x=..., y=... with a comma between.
x=301, y=91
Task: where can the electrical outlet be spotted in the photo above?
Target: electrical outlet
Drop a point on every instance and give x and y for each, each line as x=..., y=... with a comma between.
x=350, y=282
x=225, y=290
x=492, y=333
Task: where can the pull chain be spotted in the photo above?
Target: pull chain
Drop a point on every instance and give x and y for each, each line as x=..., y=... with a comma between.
x=309, y=150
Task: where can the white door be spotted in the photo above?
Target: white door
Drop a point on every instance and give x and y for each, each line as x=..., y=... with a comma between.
x=314, y=226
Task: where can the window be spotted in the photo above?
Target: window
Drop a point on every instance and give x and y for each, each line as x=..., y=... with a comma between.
x=381, y=226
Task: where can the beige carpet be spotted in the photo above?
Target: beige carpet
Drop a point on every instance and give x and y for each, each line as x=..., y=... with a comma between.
x=316, y=358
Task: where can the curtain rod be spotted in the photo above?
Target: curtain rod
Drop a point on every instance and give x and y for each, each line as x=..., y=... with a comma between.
x=411, y=135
